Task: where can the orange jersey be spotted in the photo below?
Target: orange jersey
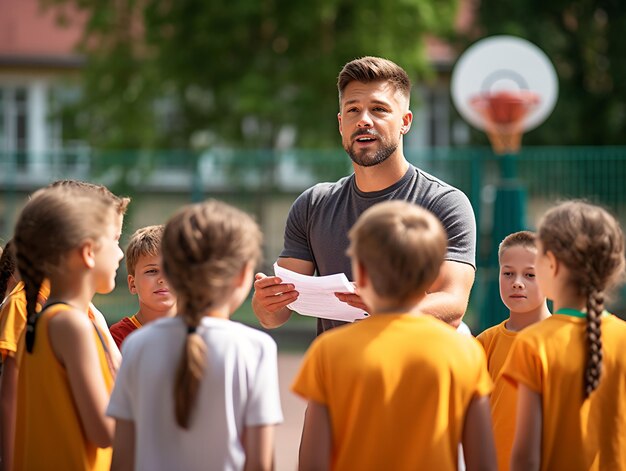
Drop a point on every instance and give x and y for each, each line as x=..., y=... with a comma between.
x=497, y=342
x=577, y=433
x=397, y=388
x=49, y=433
x=13, y=316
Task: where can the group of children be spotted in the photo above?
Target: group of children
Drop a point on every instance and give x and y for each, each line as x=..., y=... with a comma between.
x=399, y=390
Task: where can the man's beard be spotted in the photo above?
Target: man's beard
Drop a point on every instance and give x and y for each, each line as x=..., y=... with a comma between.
x=382, y=154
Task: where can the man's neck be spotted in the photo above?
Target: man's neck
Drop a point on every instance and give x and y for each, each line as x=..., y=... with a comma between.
x=381, y=176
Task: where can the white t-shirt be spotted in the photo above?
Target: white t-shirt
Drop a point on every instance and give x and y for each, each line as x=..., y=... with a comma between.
x=239, y=389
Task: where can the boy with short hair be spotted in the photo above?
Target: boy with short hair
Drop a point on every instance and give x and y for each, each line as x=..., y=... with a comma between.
x=520, y=293
x=400, y=389
x=147, y=281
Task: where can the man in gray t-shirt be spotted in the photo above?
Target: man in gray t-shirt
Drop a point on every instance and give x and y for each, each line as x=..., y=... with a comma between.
x=374, y=115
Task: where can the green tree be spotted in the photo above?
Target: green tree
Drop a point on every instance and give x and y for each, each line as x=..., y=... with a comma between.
x=181, y=73
x=585, y=41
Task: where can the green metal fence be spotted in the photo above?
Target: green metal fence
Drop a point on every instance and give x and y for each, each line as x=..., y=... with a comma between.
x=266, y=182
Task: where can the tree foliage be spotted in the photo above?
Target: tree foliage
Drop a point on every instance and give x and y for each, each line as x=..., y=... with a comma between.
x=181, y=73
x=585, y=41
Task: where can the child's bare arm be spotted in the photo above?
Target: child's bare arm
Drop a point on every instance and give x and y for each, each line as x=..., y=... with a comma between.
x=72, y=340
x=8, y=405
x=123, y=446
x=258, y=443
x=478, y=445
x=526, y=454
x=316, y=438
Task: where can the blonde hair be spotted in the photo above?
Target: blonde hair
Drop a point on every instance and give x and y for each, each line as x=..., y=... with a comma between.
x=205, y=246
x=374, y=69
x=119, y=202
x=402, y=247
x=144, y=242
x=53, y=222
x=590, y=243
x=524, y=239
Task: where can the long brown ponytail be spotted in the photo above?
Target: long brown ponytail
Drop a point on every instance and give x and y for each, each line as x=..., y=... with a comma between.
x=205, y=246
x=590, y=242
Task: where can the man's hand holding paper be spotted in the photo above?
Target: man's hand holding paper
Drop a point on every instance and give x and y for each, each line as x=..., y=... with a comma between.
x=320, y=296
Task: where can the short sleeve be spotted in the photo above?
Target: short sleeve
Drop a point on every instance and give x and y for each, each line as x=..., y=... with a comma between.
x=12, y=323
x=309, y=382
x=296, y=240
x=264, y=401
x=523, y=365
x=455, y=212
x=124, y=390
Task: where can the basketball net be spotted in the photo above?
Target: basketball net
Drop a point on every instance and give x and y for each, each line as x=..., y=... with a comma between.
x=504, y=113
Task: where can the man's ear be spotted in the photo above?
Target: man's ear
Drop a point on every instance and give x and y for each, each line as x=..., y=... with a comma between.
x=339, y=120
x=131, y=284
x=88, y=253
x=407, y=119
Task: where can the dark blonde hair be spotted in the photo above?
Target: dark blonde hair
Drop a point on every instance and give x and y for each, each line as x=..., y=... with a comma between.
x=119, y=202
x=144, y=242
x=7, y=267
x=53, y=222
x=524, y=239
x=205, y=246
x=402, y=247
x=374, y=69
x=590, y=243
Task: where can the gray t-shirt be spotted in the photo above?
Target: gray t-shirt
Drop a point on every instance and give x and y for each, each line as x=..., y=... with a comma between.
x=320, y=218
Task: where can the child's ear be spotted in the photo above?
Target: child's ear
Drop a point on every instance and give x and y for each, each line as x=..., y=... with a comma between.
x=244, y=275
x=88, y=254
x=553, y=263
x=361, y=277
x=131, y=284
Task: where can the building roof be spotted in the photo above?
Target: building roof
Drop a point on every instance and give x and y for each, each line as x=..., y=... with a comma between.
x=31, y=35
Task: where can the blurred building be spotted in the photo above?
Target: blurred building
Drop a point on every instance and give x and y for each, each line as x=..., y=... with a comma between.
x=39, y=71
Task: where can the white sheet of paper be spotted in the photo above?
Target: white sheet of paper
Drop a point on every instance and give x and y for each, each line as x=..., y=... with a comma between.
x=317, y=295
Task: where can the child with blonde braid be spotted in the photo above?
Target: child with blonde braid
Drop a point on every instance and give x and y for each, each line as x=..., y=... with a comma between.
x=198, y=391
x=69, y=237
x=570, y=369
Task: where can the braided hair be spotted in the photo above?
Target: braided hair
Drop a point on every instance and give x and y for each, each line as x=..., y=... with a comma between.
x=205, y=246
x=53, y=222
x=590, y=243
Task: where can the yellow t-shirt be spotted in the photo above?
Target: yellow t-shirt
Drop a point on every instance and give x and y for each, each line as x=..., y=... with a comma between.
x=397, y=388
x=497, y=342
x=577, y=434
x=49, y=433
x=13, y=316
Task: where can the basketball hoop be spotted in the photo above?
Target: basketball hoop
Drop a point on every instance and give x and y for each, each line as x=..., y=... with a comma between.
x=504, y=113
x=504, y=86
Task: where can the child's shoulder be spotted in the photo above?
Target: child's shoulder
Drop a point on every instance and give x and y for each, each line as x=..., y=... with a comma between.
x=489, y=334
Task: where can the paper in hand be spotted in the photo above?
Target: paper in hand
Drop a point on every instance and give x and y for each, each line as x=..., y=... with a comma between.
x=317, y=295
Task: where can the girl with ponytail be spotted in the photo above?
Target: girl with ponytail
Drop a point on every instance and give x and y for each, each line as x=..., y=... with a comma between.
x=571, y=367
x=199, y=391
x=69, y=238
